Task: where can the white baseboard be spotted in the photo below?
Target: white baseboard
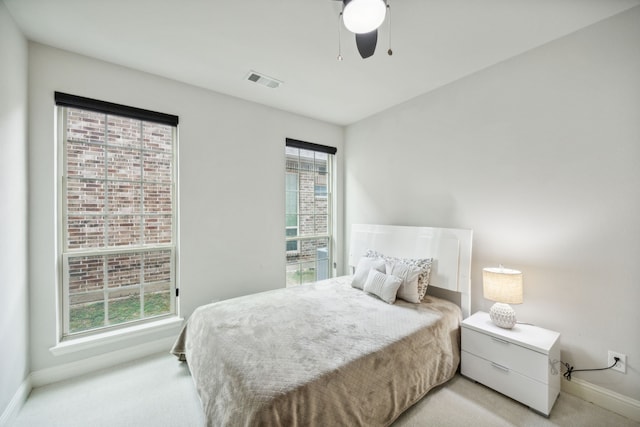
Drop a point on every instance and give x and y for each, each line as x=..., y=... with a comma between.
x=11, y=411
x=107, y=360
x=605, y=398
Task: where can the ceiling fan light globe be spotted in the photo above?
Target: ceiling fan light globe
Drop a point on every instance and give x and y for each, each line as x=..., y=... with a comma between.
x=364, y=16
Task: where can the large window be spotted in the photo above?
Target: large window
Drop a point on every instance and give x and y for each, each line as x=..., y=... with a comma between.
x=118, y=222
x=308, y=211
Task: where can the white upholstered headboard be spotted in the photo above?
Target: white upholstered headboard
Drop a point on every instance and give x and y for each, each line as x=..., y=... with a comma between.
x=450, y=249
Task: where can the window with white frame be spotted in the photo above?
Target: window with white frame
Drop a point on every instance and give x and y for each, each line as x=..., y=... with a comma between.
x=308, y=211
x=118, y=217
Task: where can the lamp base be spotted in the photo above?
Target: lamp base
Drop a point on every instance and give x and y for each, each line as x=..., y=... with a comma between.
x=503, y=315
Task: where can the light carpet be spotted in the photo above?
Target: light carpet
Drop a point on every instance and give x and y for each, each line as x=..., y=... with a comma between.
x=157, y=391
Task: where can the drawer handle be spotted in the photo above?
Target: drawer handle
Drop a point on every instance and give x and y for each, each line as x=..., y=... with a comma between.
x=502, y=368
x=499, y=340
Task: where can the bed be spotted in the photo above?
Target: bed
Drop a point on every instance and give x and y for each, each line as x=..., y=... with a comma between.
x=328, y=353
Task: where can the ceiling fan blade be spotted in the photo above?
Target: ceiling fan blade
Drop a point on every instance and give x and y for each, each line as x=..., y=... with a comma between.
x=366, y=43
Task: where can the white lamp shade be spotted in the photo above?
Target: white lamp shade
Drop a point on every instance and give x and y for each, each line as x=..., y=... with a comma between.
x=502, y=285
x=364, y=16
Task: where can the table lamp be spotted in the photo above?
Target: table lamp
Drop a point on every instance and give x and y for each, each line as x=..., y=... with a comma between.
x=504, y=286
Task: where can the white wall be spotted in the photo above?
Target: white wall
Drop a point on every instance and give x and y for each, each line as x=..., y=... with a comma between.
x=540, y=156
x=231, y=178
x=14, y=315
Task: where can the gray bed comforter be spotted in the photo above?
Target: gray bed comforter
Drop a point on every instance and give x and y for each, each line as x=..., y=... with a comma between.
x=317, y=355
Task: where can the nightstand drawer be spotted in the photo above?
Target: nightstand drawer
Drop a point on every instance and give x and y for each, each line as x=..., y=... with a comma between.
x=505, y=354
x=532, y=393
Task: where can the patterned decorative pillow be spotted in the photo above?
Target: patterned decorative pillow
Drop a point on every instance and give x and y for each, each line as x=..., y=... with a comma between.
x=373, y=254
x=365, y=264
x=423, y=264
x=384, y=286
x=408, y=290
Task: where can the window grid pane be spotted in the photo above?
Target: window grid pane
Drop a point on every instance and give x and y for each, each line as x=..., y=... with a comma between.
x=311, y=263
x=85, y=231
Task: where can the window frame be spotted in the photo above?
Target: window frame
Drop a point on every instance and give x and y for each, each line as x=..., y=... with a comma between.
x=63, y=103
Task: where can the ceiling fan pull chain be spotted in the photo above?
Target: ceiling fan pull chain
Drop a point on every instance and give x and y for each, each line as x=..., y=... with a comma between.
x=339, y=37
x=389, y=52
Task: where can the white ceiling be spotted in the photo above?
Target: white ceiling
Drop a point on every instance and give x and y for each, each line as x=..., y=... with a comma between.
x=213, y=44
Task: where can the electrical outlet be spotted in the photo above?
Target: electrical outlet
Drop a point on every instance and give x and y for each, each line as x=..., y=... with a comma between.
x=621, y=366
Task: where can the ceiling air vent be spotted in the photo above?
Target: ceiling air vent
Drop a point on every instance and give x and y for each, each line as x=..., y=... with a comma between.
x=263, y=80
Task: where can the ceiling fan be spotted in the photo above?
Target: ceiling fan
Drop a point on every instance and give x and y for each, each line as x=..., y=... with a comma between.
x=363, y=17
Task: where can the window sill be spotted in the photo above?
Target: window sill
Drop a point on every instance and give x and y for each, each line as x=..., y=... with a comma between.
x=84, y=343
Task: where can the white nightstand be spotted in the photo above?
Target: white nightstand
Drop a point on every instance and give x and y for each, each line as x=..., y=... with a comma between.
x=522, y=363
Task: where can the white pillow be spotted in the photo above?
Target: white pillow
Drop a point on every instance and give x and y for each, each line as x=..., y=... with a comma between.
x=409, y=274
x=362, y=270
x=382, y=285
